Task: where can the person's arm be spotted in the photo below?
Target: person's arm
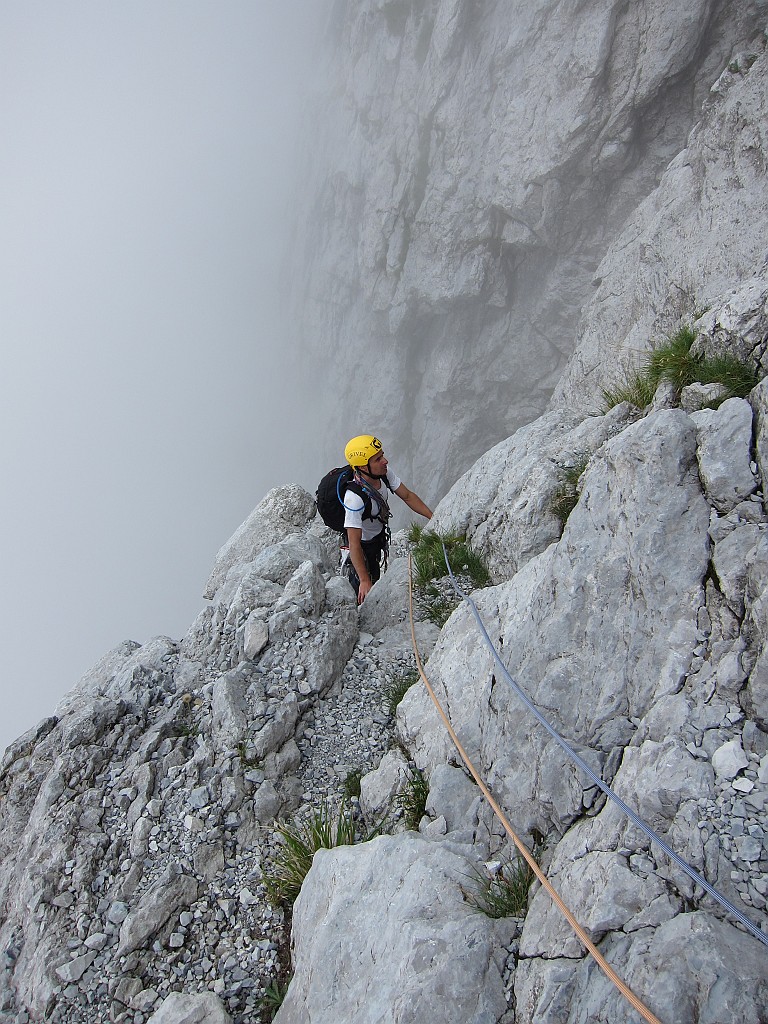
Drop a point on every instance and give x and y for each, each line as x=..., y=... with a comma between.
x=356, y=556
x=413, y=501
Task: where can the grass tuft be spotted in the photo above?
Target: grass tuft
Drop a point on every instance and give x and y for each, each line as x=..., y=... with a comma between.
x=273, y=996
x=567, y=495
x=738, y=378
x=398, y=688
x=285, y=871
x=429, y=561
x=633, y=386
x=413, y=799
x=504, y=895
x=674, y=363
x=436, y=594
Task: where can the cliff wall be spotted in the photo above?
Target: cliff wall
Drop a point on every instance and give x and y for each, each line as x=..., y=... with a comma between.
x=137, y=822
x=468, y=167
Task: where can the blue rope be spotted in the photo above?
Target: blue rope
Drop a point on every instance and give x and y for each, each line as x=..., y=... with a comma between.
x=376, y=495
x=338, y=494
x=697, y=878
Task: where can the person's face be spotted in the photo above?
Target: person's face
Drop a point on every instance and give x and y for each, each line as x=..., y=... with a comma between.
x=377, y=466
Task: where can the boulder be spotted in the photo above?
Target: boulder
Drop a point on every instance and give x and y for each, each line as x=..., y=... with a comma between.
x=387, y=602
x=172, y=892
x=180, y=1008
x=230, y=710
x=386, y=924
x=725, y=453
x=305, y=589
x=379, y=788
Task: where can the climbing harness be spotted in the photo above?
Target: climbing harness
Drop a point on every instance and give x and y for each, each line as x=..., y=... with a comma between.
x=602, y=963
x=633, y=817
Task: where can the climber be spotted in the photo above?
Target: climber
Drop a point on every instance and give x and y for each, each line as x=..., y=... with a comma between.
x=366, y=510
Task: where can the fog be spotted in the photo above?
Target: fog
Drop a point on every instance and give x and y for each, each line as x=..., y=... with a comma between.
x=146, y=167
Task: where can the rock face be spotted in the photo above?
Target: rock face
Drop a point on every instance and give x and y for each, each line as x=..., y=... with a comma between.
x=420, y=966
x=130, y=843
x=697, y=242
x=137, y=822
x=660, y=706
x=471, y=169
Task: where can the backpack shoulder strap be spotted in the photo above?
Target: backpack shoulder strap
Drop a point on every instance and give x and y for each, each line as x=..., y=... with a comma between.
x=356, y=488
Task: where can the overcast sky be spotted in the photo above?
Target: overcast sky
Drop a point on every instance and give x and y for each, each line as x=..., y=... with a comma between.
x=145, y=153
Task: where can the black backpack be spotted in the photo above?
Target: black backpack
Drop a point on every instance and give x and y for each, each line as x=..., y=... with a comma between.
x=329, y=497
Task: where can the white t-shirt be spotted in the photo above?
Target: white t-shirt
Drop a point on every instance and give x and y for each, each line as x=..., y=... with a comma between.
x=354, y=506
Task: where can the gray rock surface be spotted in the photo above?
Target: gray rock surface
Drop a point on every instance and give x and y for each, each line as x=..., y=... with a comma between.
x=386, y=945
x=170, y=894
x=622, y=623
x=696, y=243
x=135, y=829
x=503, y=504
x=653, y=706
x=181, y=1009
x=283, y=511
x=666, y=971
x=725, y=453
x=459, y=221
x=467, y=173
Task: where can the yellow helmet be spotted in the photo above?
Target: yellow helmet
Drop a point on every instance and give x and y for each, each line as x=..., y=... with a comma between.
x=362, y=448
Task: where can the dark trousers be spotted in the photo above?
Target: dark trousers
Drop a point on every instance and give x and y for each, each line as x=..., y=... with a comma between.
x=373, y=551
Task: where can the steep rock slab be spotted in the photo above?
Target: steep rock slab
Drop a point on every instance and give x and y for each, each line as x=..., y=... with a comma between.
x=693, y=968
x=503, y=504
x=381, y=932
x=691, y=244
x=596, y=629
x=469, y=166
x=611, y=878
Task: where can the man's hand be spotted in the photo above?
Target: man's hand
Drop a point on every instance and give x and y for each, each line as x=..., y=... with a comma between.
x=362, y=590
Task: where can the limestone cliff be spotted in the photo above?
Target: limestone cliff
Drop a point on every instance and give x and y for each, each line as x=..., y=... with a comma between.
x=492, y=163
x=468, y=167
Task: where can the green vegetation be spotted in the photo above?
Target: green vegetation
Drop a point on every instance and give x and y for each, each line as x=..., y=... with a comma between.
x=429, y=566
x=274, y=994
x=565, y=497
x=351, y=785
x=300, y=840
x=397, y=689
x=742, y=63
x=248, y=756
x=504, y=895
x=185, y=724
x=429, y=561
x=413, y=800
x=673, y=362
x=633, y=387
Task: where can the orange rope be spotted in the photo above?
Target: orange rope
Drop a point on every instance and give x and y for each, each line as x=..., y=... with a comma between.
x=602, y=963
